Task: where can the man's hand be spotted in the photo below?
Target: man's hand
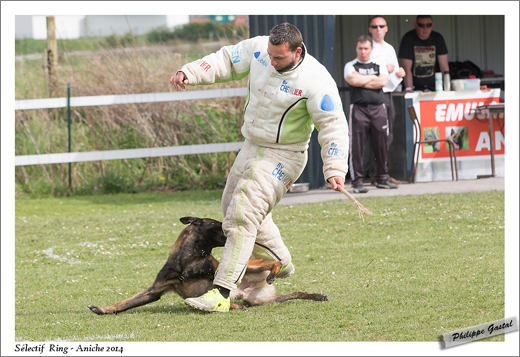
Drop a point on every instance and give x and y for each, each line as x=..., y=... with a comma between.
x=337, y=182
x=179, y=80
x=400, y=72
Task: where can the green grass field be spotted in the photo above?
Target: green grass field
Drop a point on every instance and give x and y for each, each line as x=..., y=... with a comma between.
x=419, y=267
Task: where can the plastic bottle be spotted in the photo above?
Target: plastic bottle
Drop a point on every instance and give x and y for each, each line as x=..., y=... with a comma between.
x=438, y=82
x=447, y=81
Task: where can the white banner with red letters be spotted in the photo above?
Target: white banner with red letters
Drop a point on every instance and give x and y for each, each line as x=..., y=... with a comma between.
x=452, y=115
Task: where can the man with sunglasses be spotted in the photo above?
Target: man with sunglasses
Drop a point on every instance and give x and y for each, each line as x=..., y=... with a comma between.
x=422, y=53
x=383, y=52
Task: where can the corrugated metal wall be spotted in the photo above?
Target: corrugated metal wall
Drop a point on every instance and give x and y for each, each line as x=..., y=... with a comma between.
x=312, y=28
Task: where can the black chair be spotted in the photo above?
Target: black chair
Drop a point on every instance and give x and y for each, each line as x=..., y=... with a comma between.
x=419, y=141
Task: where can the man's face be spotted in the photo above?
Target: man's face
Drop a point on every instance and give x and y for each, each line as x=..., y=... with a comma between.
x=363, y=50
x=378, y=33
x=422, y=29
x=282, y=59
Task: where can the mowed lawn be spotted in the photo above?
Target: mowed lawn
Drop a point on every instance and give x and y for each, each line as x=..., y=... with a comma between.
x=419, y=267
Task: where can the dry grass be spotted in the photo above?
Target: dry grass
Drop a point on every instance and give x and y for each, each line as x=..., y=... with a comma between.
x=122, y=71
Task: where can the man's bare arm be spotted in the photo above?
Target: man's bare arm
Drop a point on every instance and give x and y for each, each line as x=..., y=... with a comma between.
x=443, y=63
x=408, y=79
x=378, y=82
x=357, y=80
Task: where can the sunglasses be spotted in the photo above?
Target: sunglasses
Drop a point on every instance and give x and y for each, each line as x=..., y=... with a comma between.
x=375, y=26
x=425, y=25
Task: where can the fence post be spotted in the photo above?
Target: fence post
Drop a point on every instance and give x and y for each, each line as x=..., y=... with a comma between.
x=52, y=56
x=68, y=123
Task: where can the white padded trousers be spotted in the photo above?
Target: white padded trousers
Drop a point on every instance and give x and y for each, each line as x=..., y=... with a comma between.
x=258, y=180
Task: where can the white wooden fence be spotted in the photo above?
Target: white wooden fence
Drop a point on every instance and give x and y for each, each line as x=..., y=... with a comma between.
x=59, y=158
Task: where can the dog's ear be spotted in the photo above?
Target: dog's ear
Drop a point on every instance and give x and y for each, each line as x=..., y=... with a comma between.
x=187, y=220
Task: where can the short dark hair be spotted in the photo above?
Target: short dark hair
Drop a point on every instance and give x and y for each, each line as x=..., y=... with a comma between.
x=363, y=39
x=375, y=17
x=423, y=17
x=286, y=32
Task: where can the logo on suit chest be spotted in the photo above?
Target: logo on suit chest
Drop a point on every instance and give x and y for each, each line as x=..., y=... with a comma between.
x=290, y=90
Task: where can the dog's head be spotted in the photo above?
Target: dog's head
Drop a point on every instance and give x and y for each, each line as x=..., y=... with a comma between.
x=431, y=135
x=208, y=229
x=457, y=138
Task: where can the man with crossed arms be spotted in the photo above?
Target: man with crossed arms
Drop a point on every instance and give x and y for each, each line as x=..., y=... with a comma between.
x=368, y=115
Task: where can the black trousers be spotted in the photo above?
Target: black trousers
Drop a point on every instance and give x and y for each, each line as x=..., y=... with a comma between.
x=368, y=122
x=368, y=167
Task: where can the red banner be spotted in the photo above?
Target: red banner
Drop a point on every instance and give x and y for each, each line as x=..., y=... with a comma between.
x=456, y=119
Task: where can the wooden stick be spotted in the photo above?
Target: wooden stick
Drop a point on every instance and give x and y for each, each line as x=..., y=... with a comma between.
x=360, y=207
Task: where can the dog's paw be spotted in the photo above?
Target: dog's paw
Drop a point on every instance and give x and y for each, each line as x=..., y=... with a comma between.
x=270, y=279
x=96, y=310
x=235, y=306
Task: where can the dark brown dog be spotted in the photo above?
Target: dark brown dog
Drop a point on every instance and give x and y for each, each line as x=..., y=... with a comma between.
x=190, y=269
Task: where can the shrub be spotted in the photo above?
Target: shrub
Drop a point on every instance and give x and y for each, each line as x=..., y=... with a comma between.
x=197, y=31
x=114, y=41
x=160, y=35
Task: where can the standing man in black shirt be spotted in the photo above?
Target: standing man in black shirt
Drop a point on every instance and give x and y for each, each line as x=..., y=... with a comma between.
x=368, y=115
x=422, y=53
